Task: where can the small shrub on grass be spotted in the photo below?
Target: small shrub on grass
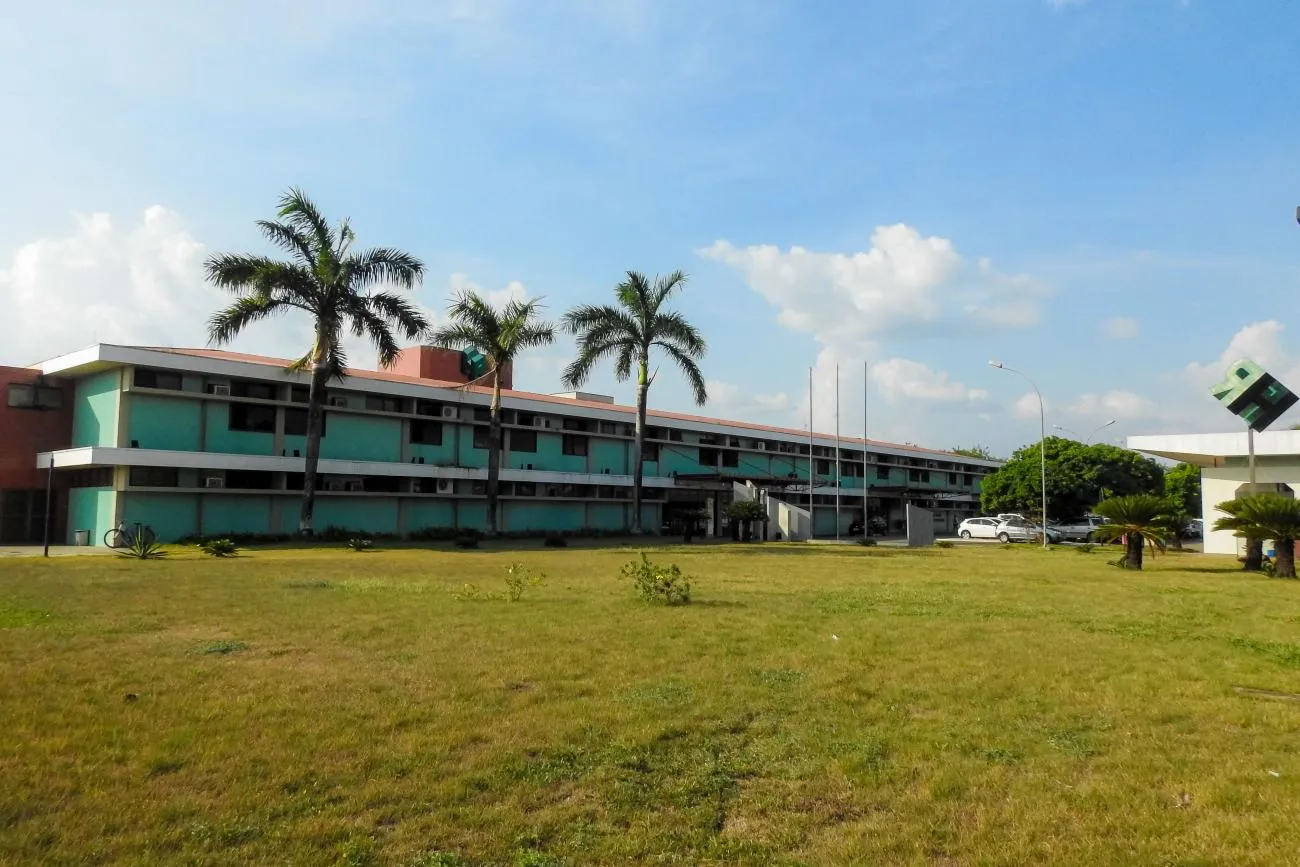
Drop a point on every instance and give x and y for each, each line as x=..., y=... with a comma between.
x=219, y=548
x=467, y=540
x=942, y=543
x=867, y=542
x=519, y=578
x=1085, y=548
x=665, y=585
x=142, y=547
x=361, y=544
x=555, y=540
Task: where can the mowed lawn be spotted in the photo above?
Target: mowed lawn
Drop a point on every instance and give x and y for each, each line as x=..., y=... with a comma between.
x=811, y=706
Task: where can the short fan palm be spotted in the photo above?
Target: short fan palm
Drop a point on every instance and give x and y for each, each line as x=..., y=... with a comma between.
x=1140, y=519
x=627, y=332
x=1266, y=516
x=501, y=335
x=328, y=281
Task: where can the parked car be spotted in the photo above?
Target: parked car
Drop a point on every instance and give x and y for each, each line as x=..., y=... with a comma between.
x=1025, y=531
x=978, y=528
x=1195, y=529
x=878, y=527
x=1080, y=530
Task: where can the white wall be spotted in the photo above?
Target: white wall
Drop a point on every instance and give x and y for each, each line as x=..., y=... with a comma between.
x=1221, y=483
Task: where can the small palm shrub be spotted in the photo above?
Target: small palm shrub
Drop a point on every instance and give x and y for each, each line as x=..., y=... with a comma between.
x=664, y=585
x=219, y=548
x=360, y=544
x=942, y=543
x=1085, y=548
x=142, y=546
x=867, y=542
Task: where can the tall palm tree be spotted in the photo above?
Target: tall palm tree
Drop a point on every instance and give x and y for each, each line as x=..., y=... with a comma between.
x=500, y=335
x=1254, y=560
x=1266, y=516
x=324, y=278
x=626, y=332
x=1141, y=519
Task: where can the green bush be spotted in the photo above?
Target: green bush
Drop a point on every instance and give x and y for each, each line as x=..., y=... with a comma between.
x=467, y=540
x=1085, y=548
x=867, y=542
x=519, y=578
x=142, y=547
x=361, y=544
x=664, y=585
x=555, y=540
x=219, y=548
x=942, y=543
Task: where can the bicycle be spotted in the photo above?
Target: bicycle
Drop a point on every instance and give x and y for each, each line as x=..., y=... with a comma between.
x=123, y=536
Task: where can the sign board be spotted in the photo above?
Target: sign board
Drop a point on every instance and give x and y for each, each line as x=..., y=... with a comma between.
x=1251, y=392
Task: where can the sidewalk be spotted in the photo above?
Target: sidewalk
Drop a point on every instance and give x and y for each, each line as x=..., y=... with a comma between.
x=55, y=550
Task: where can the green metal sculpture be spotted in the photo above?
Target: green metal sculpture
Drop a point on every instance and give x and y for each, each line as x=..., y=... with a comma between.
x=1252, y=393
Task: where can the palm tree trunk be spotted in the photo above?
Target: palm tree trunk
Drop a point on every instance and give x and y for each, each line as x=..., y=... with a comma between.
x=638, y=447
x=1254, y=555
x=1134, y=551
x=1284, y=562
x=494, y=455
x=315, y=418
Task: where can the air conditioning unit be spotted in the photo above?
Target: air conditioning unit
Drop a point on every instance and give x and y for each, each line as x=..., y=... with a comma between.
x=538, y=421
x=762, y=447
x=445, y=486
x=337, y=400
x=353, y=485
x=221, y=390
x=450, y=412
x=214, y=482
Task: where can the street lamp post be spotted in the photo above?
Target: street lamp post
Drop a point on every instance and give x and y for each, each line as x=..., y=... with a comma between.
x=1065, y=429
x=1100, y=428
x=1042, y=437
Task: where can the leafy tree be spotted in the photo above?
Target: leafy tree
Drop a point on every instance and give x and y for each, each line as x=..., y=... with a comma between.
x=1078, y=477
x=1183, y=485
x=1266, y=516
x=976, y=451
x=626, y=332
x=327, y=280
x=501, y=335
x=1140, y=519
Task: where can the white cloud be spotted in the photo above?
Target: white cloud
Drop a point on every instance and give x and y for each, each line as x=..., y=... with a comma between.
x=1123, y=405
x=136, y=284
x=902, y=378
x=730, y=400
x=1027, y=406
x=1260, y=342
x=1120, y=328
x=512, y=291
x=904, y=283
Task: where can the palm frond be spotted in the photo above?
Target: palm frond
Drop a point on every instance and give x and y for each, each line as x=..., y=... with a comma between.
x=628, y=356
x=226, y=324
x=579, y=370
x=686, y=364
x=456, y=335
x=398, y=312
x=289, y=239
x=384, y=265
x=664, y=288
x=303, y=215
x=672, y=327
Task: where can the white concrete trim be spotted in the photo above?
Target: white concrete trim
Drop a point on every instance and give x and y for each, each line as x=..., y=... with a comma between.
x=1211, y=449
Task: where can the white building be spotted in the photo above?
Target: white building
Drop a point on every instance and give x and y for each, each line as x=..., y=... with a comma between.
x=1224, y=459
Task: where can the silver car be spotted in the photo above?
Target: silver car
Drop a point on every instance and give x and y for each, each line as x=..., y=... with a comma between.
x=1080, y=530
x=1020, y=530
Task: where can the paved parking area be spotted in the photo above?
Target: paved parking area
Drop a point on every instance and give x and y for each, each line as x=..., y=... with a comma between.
x=55, y=551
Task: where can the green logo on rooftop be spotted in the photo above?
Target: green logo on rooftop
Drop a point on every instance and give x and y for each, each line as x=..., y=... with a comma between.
x=1252, y=393
x=473, y=364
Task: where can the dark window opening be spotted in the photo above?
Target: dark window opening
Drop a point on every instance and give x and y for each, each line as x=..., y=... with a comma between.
x=823, y=468
x=708, y=457
x=154, y=477
x=952, y=478
x=146, y=378
x=295, y=422
x=300, y=394
x=252, y=417
x=482, y=437
x=428, y=433
x=523, y=441
x=674, y=435
x=575, y=424
x=574, y=445
x=882, y=472
x=650, y=451
x=525, y=489
x=24, y=396
x=253, y=480
x=730, y=459
x=382, y=484
x=482, y=414
x=256, y=390
x=380, y=403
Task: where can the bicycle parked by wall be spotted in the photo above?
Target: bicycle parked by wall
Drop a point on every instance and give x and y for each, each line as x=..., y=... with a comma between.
x=123, y=536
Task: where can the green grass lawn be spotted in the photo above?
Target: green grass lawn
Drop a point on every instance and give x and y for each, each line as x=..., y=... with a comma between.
x=811, y=706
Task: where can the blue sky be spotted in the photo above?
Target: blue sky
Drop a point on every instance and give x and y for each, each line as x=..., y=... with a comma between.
x=1099, y=193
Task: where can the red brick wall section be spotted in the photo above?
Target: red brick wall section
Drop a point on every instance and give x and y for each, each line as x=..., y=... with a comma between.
x=431, y=362
x=25, y=432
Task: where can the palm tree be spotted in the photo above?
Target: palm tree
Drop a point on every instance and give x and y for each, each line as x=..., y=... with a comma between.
x=1254, y=560
x=626, y=332
x=500, y=335
x=1266, y=516
x=324, y=278
x=1141, y=519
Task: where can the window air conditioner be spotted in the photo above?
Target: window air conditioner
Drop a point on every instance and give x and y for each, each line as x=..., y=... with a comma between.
x=449, y=412
x=762, y=447
x=538, y=421
x=221, y=390
x=444, y=486
x=214, y=482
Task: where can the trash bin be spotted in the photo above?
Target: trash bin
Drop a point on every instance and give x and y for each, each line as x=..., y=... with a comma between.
x=81, y=537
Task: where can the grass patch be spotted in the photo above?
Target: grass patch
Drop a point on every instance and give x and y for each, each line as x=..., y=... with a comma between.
x=812, y=705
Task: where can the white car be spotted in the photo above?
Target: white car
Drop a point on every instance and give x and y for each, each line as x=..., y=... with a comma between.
x=978, y=528
x=1020, y=530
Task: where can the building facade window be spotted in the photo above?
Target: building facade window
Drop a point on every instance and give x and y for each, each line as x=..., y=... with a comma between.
x=255, y=390
x=426, y=433
x=381, y=403
x=252, y=417
x=295, y=422
x=523, y=441
x=32, y=396
x=146, y=378
x=922, y=476
x=650, y=451
x=482, y=437
x=574, y=445
x=154, y=477
x=882, y=472
x=250, y=480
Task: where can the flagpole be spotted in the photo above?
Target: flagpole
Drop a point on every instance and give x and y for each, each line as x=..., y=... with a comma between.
x=812, y=476
x=866, y=517
x=837, y=453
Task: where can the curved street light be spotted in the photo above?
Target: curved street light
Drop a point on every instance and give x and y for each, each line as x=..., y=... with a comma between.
x=1100, y=428
x=1066, y=429
x=1042, y=437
